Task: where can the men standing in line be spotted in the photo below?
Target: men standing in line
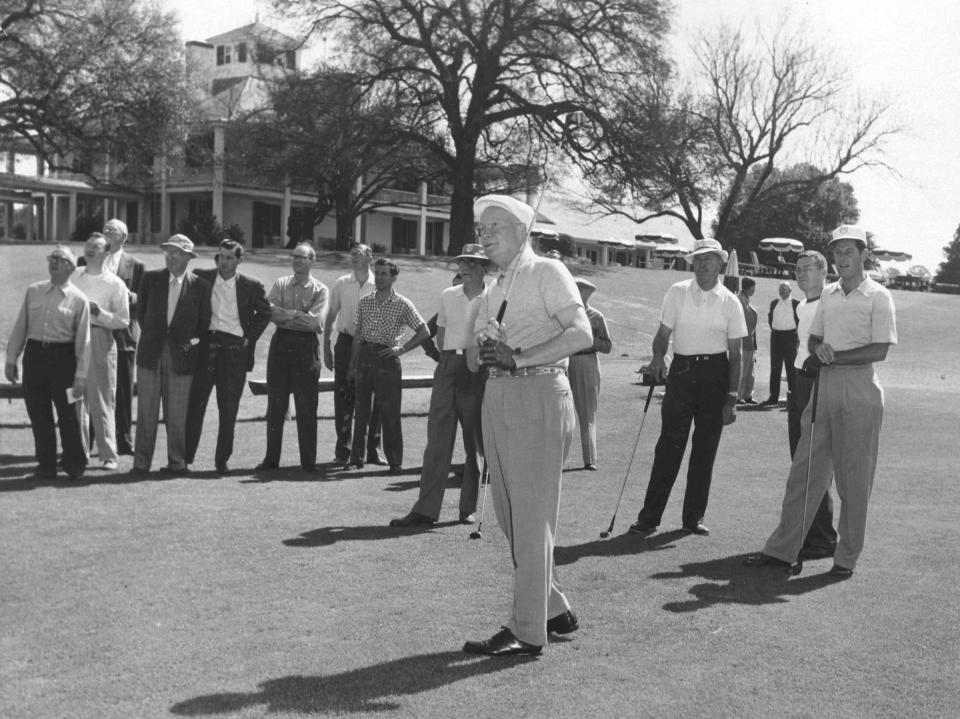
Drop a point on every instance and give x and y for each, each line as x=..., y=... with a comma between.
x=240, y=313
x=585, y=377
x=173, y=309
x=783, y=341
x=528, y=415
x=130, y=270
x=706, y=322
x=344, y=297
x=821, y=540
x=375, y=362
x=456, y=397
x=853, y=327
x=749, y=346
x=53, y=332
x=298, y=303
x=109, y=313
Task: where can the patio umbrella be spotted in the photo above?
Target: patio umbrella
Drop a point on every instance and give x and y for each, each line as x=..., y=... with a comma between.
x=880, y=253
x=919, y=271
x=671, y=251
x=733, y=265
x=781, y=244
x=658, y=239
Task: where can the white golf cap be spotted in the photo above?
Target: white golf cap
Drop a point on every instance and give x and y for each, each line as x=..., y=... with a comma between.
x=848, y=232
x=520, y=210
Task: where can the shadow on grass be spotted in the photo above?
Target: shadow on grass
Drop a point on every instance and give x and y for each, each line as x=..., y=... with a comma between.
x=19, y=479
x=622, y=544
x=376, y=688
x=325, y=536
x=733, y=583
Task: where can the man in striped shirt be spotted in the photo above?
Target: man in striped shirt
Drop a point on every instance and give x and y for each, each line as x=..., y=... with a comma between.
x=375, y=361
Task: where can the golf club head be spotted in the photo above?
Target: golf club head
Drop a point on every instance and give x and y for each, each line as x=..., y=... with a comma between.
x=475, y=535
x=604, y=534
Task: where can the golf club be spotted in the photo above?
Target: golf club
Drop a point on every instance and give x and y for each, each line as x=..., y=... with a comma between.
x=646, y=406
x=485, y=481
x=806, y=484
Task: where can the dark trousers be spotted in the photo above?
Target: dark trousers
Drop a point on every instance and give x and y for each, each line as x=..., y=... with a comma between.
x=821, y=535
x=783, y=353
x=123, y=410
x=48, y=372
x=378, y=376
x=344, y=398
x=224, y=367
x=293, y=365
x=696, y=392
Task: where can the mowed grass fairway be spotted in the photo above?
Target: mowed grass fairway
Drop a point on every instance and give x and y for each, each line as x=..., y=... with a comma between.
x=286, y=595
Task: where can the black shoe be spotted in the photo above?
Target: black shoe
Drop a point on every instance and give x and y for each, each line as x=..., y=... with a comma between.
x=308, y=467
x=770, y=402
x=467, y=518
x=590, y=467
x=75, y=475
x=765, y=560
x=414, y=519
x=140, y=471
x=697, y=528
x=396, y=469
x=817, y=552
x=222, y=468
x=125, y=450
x=643, y=528
x=181, y=472
x=838, y=572
x=502, y=644
x=45, y=473
x=563, y=623
x=358, y=465
x=265, y=465
x=376, y=459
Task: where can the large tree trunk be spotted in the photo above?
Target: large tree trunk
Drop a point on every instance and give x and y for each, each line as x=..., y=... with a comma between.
x=461, y=201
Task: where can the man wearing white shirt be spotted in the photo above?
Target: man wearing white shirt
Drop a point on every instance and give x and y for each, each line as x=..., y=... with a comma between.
x=342, y=315
x=707, y=324
x=109, y=311
x=240, y=313
x=456, y=398
x=783, y=341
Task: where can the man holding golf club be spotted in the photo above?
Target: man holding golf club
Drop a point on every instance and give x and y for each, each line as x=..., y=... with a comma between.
x=706, y=322
x=529, y=322
x=853, y=327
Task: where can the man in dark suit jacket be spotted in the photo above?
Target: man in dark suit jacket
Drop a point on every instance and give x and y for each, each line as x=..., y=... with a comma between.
x=240, y=313
x=173, y=309
x=783, y=341
x=129, y=269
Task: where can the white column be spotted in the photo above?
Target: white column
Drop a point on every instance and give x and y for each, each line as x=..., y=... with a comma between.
x=422, y=222
x=358, y=221
x=285, y=212
x=218, y=146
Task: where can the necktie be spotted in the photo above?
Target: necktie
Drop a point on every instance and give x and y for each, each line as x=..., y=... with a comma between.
x=173, y=296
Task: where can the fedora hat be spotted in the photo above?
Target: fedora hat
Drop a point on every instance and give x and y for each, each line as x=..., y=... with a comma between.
x=181, y=242
x=472, y=252
x=708, y=244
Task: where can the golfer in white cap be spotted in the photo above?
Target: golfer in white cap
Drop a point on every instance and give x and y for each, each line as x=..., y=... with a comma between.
x=854, y=326
x=706, y=322
x=528, y=414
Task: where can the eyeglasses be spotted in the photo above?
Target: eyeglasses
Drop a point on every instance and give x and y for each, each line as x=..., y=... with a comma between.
x=57, y=259
x=305, y=258
x=490, y=229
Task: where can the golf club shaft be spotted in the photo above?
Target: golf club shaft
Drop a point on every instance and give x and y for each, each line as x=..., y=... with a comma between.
x=623, y=486
x=485, y=481
x=806, y=483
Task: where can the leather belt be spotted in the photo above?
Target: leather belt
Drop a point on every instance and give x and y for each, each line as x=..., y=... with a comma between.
x=701, y=358
x=586, y=352
x=536, y=371
x=455, y=352
x=50, y=345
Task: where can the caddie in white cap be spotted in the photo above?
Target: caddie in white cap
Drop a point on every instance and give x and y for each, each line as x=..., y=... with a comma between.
x=853, y=327
x=530, y=321
x=705, y=322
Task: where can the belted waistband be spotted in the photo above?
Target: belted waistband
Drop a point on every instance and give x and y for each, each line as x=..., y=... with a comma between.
x=220, y=336
x=295, y=334
x=455, y=352
x=50, y=345
x=590, y=351
x=701, y=358
x=536, y=371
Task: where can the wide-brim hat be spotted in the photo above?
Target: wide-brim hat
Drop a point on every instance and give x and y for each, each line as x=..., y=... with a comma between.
x=849, y=232
x=708, y=244
x=520, y=210
x=181, y=242
x=472, y=252
x=65, y=253
x=586, y=284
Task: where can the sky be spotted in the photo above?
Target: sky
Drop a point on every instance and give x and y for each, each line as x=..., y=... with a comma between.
x=893, y=50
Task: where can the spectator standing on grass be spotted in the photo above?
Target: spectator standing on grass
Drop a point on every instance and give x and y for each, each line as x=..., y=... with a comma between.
x=375, y=362
x=109, y=313
x=130, y=270
x=298, y=304
x=342, y=315
x=52, y=330
x=852, y=328
x=749, y=346
x=705, y=321
x=783, y=341
x=527, y=415
x=821, y=539
x=239, y=313
x=456, y=397
x=585, y=376
x=174, y=311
